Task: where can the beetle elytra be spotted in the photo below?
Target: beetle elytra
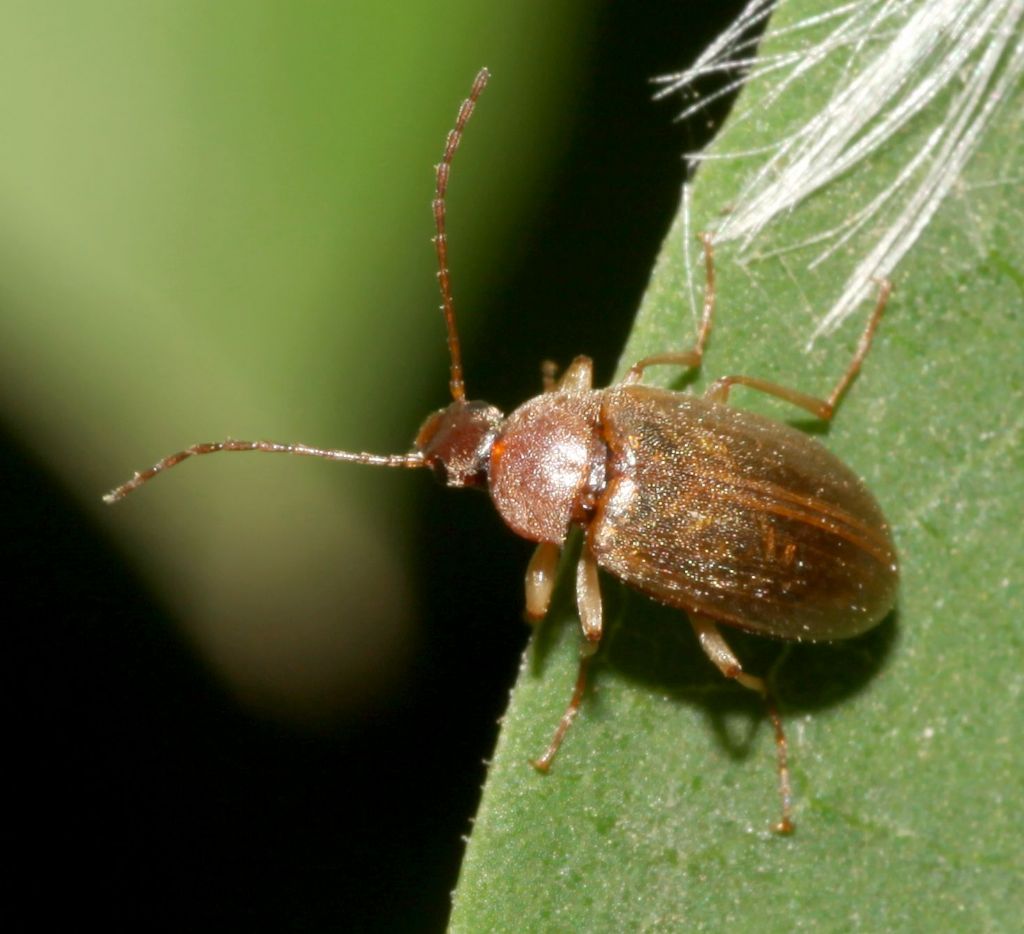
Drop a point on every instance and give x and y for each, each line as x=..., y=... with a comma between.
x=734, y=518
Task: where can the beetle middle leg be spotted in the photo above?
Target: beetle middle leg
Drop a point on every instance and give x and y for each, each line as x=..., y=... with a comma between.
x=692, y=358
x=588, y=602
x=717, y=649
x=822, y=408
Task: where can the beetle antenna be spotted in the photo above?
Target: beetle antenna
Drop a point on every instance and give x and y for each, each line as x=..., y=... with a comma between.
x=455, y=382
x=413, y=459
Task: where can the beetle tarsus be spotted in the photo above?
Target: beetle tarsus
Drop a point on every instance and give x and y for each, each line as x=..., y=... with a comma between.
x=785, y=825
x=543, y=764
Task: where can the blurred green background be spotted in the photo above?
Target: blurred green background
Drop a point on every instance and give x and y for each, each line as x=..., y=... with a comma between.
x=214, y=222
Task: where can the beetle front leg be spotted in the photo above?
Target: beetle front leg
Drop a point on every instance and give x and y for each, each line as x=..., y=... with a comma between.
x=548, y=375
x=588, y=601
x=540, y=580
x=578, y=376
x=717, y=649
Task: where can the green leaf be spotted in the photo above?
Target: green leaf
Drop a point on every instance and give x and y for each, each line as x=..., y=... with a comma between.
x=904, y=744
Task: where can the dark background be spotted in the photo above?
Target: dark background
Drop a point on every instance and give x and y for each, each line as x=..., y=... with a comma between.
x=137, y=774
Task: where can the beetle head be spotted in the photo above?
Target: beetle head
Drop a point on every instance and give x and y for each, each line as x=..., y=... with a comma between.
x=456, y=442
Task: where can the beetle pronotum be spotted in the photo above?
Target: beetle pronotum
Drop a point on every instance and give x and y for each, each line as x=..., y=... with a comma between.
x=732, y=517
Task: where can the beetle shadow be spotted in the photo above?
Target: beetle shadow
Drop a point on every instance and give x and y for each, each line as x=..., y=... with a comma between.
x=655, y=645
x=818, y=427
x=685, y=380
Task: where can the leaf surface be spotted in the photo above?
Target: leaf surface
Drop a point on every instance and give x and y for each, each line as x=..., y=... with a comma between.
x=904, y=743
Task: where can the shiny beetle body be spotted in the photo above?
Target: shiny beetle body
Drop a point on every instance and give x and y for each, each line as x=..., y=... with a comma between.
x=701, y=506
x=726, y=513
x=732, y=517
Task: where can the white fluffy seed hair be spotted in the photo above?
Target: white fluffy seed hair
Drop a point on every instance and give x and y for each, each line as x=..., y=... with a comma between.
x=900, y=56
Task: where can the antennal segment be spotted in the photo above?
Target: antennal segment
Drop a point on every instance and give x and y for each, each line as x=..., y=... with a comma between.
x=415, y=459
x=455, y=382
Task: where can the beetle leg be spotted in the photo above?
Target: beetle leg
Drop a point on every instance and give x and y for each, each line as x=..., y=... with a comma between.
x=715, y=647
x=588, y=596
x=822, y=408
x=690, y=359
x=540, y=580
x=578, y=376
x=588, y=600
x=718, y=391
x=687, y=359
x=548, y=375
x=544, y=762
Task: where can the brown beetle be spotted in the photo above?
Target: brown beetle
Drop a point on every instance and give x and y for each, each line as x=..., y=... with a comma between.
x=730, y=516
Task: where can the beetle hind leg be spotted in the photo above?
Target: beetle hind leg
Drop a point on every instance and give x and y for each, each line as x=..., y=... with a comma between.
x=717, y=649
